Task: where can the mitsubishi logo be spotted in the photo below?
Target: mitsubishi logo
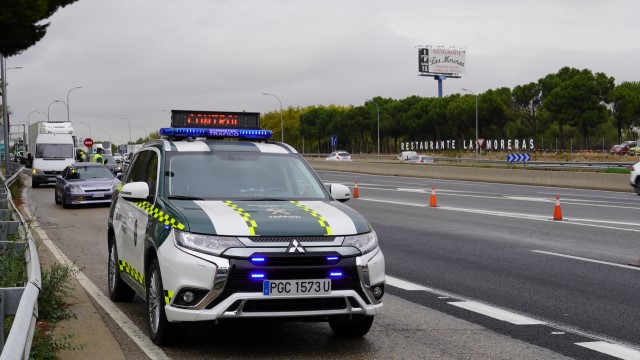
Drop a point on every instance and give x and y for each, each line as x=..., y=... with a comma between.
x=295, y=246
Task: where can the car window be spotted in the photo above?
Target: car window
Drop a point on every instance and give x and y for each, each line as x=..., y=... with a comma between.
x=135, y=171
x=151, y=173
x=88, y=172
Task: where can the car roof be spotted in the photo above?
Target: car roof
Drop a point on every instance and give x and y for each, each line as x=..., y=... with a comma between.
x=213, y=145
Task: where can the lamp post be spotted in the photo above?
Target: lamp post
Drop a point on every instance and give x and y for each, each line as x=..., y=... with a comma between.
x=476, y=144
x=29, y=117
x=89, y=126
x=5, y=113
x=129, y=128
x=67, y=103
x=281, y=123
x=377, y=107
x=49, y=107
x=45, y=114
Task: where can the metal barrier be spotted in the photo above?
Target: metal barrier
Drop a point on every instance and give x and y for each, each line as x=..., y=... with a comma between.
x=19, y=301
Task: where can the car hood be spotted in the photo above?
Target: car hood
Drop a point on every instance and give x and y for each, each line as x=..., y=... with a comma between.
x=268, y=218
x=94, y=184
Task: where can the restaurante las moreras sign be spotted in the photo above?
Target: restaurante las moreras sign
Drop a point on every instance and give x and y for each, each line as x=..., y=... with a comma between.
x=483, y=144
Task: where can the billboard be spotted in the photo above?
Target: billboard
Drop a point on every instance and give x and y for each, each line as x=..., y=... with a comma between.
x=441, y=61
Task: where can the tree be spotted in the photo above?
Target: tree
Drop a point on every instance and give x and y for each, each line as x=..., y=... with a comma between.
x=20, y=23
x=527, y=99
x=625, y=105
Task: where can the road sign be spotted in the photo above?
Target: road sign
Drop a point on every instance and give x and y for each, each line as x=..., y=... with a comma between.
x=88, y=142
x=334, y=141
x=518, y=157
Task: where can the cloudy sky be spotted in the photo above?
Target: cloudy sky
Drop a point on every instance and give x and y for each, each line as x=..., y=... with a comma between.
x=136, y=58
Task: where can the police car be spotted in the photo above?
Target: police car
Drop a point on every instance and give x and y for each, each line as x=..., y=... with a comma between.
x=214, y=221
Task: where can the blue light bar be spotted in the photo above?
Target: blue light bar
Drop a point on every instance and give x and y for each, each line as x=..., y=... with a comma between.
x=245, y=134
x=257, y=275
x=258, y=259
x=332, y=258
x=335, y=274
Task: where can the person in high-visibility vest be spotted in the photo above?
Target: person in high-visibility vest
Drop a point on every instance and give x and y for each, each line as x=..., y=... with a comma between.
x=97, y=157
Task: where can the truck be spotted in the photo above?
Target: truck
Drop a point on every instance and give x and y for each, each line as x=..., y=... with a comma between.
x=52, y=153
x=47, y=127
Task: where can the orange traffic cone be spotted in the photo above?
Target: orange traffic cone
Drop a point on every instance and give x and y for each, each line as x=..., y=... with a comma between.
x=432, y=200
x=355, y=191
x=557, y=214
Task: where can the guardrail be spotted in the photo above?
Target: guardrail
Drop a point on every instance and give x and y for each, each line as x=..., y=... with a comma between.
x=19, y=301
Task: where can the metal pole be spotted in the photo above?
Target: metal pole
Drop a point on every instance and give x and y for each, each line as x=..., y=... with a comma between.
x=5, y=115
x=281, y=123
x=49, y=108
x=129, y=128
x=69, y=92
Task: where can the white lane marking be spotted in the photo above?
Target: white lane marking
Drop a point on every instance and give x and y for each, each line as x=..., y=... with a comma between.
x=412, y=190
x=619, y=351
x=406, y=285
x=587, y=259
x=496, y=313
x=567, y=221
x=142, y=340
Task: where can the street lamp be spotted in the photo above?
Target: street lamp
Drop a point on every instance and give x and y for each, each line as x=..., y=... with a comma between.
x=89, y=126
x=45, y=114
x=29, y=117
x=281, y=123
x=67, y=103
x=378, y=124
x=129, y=127
x=49, y=107
x=474, y=94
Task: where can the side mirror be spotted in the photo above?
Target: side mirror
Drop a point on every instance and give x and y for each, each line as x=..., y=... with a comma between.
x=106, y=161
x=135, y=191
x=340, y=192
x=120, y=176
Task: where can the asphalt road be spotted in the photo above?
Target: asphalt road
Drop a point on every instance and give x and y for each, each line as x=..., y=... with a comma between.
x=478, y=245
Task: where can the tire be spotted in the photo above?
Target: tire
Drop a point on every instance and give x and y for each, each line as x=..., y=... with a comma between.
x=55, y=197
x=64, y=202
x=34, y=184
x=119, y=291
x=356, y=327
x=159, y=327
x=637, y=186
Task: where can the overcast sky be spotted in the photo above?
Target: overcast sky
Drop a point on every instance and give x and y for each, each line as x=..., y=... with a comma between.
x=135, y=58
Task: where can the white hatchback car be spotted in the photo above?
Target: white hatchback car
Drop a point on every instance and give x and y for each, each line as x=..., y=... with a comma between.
x=634, y=179
x=339, y=156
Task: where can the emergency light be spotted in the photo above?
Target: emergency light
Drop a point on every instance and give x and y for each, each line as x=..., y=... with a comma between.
x=216, y=133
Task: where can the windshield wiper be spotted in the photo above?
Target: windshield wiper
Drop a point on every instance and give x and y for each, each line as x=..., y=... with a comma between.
x=263, y=199
x=184, y=197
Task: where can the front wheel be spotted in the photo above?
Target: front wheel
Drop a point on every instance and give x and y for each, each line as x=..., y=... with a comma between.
x=355, y=327
x=159, y=326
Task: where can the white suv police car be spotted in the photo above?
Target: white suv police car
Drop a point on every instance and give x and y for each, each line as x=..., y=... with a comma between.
x=214, y=221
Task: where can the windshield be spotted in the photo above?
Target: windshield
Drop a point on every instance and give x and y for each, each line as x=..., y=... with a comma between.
x=59, y=151
x=88, y=172
x=108, y=159
x=241, y=176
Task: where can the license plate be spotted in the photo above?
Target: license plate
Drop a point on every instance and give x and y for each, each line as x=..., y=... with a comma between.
x=98, y=194
x=296, y=287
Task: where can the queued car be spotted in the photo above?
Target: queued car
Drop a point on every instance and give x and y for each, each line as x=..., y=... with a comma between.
x=623, y=149
x=406, y=155
x=112, y=164
x=339, y=156
x=420, y=159
x=634, y=179
x=229, y=225
x=85, y=183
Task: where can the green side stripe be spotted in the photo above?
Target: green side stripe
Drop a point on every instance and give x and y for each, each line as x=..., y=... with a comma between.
x=160, y=215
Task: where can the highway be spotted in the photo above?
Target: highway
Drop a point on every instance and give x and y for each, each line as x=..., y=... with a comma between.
x=486, y=253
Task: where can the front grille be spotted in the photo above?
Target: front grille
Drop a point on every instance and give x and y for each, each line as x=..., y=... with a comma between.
x=97, y=190
x=286, y=259
x=51, y=172
x=288, y=239
x=292, y=305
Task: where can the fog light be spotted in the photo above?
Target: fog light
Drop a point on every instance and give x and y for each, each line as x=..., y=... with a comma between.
x=378, y=291
x=188, y=297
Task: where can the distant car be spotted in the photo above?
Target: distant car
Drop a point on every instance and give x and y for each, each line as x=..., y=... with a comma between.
x=85, y=183
x=119, y=158
x=622, y=149
x=634, y=151
x=112, y=164
x=634, y=179
x=407, y=155
x=339, y=156
x=421, y=159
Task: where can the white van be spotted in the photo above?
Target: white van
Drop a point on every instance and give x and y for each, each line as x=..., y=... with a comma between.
x=53, y=153
x=406, y=155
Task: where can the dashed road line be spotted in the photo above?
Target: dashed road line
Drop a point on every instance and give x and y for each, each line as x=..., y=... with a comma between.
x=587, y=259
x=496, y=313
x=619, y=351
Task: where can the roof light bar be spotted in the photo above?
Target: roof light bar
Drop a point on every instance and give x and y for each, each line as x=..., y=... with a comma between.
x=245, y=134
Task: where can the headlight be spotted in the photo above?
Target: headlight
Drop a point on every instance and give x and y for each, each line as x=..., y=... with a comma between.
x=363, y=242
x=35, y=171
x=214, y=245
x=75, y=188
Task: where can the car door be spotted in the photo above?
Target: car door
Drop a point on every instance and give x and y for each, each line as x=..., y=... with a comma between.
x=129, y=221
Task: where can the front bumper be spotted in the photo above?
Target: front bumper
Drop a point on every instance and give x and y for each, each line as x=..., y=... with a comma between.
x=225, y=290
